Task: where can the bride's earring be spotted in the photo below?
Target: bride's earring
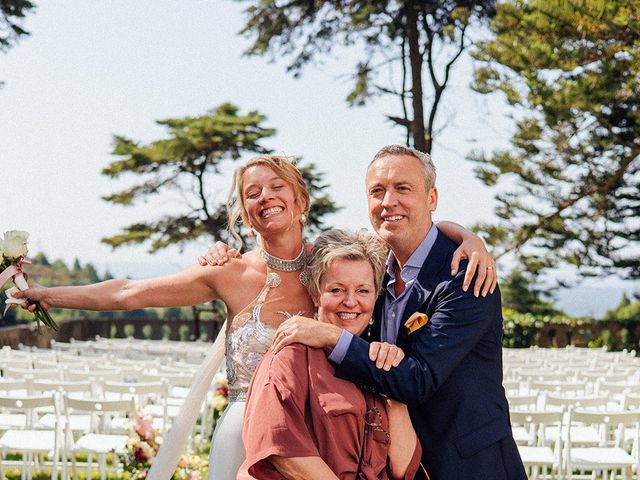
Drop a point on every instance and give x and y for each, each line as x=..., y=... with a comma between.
x=252, y=232
x=369, y=327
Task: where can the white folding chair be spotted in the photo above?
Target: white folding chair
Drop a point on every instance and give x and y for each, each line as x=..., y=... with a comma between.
x=99, y=441
x=584, y=435
x=541, y=455
x=564, y=389
x=511, y=387
x=23, y=362
x=521, y=403
x=79, y=423
x=150, y=398
x=40, y=374
x=13, y=388
x=609, y=456
x=28, y=440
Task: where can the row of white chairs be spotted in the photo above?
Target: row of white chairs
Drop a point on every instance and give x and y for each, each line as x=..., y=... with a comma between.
x=54, y=445
x=130, y=348
x=579, y=443
x=159, y=393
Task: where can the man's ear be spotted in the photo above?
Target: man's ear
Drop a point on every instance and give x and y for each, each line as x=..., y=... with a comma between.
x=433, y=199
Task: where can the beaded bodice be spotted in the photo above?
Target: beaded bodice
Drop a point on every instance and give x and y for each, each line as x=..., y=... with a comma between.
x=248, y=339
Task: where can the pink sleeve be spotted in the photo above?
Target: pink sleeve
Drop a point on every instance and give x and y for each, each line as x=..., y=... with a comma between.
x=275, y=422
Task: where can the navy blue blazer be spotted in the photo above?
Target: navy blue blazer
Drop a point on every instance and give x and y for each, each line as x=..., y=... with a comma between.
x=451, y=377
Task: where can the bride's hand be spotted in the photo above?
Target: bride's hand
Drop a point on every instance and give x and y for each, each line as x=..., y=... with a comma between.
x=35, y=293
x=386, y=355
x=307, y=331
x=219, y=254
x=481, y=261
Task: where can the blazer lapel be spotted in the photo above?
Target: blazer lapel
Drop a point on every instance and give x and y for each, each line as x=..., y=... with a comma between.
x=428, y=278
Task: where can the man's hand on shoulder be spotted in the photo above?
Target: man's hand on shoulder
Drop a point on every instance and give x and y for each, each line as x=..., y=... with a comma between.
x=386, y=355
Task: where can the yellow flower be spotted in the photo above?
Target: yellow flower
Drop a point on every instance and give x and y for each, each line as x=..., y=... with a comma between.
x=416, y=321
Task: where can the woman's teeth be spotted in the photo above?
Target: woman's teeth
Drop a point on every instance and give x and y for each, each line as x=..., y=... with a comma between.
x=270, y=211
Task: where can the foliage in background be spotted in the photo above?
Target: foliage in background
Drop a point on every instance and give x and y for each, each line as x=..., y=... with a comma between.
x=520, y=329
x=571, y=70
x=187, y=163
x=521, y=293
x=407, y=49
x=626, y=310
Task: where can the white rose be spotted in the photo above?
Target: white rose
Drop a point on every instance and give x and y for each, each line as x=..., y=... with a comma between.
x=1, y=250
x=15, y=243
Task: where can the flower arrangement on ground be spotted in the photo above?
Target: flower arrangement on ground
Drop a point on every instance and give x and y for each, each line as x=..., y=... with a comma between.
x=142, y=447
x=13, y=252
x=220, y=397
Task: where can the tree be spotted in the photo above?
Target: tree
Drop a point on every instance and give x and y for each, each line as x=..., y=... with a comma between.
x=626, y=309
x=569, y=184
x=520, y=294
x=186, y=163
x=397, y=39
x=12, y=13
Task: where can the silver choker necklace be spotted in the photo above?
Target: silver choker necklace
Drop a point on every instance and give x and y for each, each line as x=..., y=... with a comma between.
x=298, y=263
x=276, y=263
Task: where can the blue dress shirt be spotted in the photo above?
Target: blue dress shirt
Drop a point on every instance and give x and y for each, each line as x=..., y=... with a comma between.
x=393, y=306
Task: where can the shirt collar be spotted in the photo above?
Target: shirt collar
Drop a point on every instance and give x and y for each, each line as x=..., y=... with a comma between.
x=419, y=255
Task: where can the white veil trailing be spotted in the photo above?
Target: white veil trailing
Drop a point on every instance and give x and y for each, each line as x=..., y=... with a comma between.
x=164, y=464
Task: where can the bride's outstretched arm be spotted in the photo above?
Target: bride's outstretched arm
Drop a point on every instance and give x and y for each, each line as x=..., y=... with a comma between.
x=164, y=464
x=189, y=287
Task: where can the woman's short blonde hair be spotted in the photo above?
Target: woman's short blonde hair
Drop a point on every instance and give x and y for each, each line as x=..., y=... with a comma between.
x=344, y=245
x=284, y=168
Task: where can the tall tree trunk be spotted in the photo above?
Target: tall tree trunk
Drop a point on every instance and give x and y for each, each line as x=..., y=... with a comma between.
x=415, y=59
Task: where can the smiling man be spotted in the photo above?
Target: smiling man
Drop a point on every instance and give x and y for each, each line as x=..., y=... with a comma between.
x=451, y=377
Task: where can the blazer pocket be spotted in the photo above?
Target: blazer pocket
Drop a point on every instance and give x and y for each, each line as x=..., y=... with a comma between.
x=482, y=437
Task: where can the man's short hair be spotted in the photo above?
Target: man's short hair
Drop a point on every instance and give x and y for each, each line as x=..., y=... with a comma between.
x=426, y=163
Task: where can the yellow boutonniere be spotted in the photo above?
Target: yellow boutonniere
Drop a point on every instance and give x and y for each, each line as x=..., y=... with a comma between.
x=416, y=321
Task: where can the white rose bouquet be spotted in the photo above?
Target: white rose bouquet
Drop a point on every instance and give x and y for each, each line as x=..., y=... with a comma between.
x=13, y=252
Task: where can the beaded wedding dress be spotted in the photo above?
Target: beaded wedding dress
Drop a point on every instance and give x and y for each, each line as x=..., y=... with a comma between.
x=249, y=337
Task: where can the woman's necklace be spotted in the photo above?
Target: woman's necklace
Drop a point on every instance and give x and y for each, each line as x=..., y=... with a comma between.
x=298, y=263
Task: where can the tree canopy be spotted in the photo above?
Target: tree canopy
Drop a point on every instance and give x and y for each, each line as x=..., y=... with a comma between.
x=12, y=14
x=568, y=186
x=186, y=163
x=397, y=41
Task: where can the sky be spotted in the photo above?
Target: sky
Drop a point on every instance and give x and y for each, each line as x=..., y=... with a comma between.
x=93, y=69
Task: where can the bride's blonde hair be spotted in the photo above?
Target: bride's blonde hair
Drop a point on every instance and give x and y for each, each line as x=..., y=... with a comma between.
x=285, y=168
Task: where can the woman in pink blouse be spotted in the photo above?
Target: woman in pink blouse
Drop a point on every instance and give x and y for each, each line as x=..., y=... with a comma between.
x=303, y=422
